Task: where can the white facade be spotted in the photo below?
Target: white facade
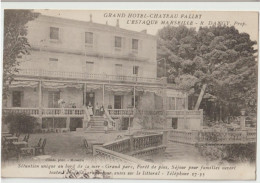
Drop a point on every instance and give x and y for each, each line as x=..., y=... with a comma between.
x=86, y=63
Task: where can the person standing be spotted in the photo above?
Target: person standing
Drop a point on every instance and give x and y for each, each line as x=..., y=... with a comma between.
x=97, y=112
x=90, y=109
x=86, y=117
x=102, y=110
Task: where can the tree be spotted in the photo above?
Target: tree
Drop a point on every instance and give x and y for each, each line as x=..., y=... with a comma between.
x=218, y=60
x=15, y=43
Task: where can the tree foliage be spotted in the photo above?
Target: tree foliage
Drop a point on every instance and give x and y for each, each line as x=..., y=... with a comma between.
x=220, y=57
x=15, y=43
x=20, y=122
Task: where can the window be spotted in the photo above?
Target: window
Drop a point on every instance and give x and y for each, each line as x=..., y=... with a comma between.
x=89, y=37
x=53, y=98
x=89, y=67
x=180, y=104
x=174, y=123
x=17, y=98
x=171, y=103
x=119, y=69
x=54, y=33
x=135, y=44
x=53, y=59
x=53, y=63
x=135, y=70
x=118, y=101
x=118, y=42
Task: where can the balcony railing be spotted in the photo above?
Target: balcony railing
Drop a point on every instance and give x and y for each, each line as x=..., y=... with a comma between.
x=213, y=137
x=79, y=112
x=47, y=112
x=121, y=112
x=86, y=76
x=184, y=112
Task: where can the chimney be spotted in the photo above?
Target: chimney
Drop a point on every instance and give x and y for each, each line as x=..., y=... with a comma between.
x=90, y=17
x=117, y=22
x=144, y=31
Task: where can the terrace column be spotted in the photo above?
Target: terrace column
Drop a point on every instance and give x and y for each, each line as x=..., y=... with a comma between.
x=165, y=137
x=186, y=101
x=131, y=138
x=242, y=120
x=134, y=97
x=165, y=101
x=175, y=103
x=103, y=96
x=40, y=102
x=84, y=94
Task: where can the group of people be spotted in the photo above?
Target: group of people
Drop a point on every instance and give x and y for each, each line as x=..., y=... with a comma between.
x=99, y=110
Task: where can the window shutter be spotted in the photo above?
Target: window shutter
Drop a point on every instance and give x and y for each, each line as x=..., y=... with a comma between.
x=82, y=40
x=112, y=44
x=61, y=37
x=95, y=42
x=130, y=45
x=124, y=44
x=140, y=47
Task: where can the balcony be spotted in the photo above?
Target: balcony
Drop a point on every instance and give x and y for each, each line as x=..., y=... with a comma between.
x=86, y=76
x=79, y=112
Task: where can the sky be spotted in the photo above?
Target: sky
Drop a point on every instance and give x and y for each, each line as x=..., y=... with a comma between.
x=154, y=20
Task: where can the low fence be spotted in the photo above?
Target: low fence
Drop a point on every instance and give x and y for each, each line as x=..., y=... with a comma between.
x=130, y=148
x=212, y=137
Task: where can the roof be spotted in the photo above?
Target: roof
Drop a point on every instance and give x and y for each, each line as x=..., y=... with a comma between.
x=102, y=27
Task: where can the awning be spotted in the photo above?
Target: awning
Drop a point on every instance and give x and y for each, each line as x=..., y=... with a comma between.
x=55, y=85
x=32, y=84
x=119, y=88
x=93, y=87
x=175, y=93
x=157, y=91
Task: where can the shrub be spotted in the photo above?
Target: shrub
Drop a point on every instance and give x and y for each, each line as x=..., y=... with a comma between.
x=20, y=122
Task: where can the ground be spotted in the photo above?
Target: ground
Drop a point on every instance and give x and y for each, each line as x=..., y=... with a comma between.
x=70, y=144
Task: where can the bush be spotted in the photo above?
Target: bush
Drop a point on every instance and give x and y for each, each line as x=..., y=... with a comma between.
x=20, y=122
x=231, y=153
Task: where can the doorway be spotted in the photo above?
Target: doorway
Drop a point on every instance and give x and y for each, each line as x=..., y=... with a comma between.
x=75, y=123
x=90, y=98
x=17, y=99
x=126, y=123
x=118, y=102
x=53, y=98
x=174, y=123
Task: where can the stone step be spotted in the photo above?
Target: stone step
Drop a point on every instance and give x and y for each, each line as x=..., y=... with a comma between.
x=79, y=129
x=179, y=151
x=97, y=127
x=99, y=124
x=99, y=131
x=97, y=118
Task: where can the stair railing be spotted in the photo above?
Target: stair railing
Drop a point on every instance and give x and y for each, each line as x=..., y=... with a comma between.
x=111, y=122
x=86, y=114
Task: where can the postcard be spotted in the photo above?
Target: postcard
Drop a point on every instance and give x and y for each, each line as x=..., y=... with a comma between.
x=132, y=94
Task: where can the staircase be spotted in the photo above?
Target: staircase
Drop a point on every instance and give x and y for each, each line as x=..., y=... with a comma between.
x=182, y=152
x=96, y=125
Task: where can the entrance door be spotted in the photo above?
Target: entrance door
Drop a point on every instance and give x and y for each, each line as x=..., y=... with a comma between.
x=118, y=102
x=17, y=99
x=53, y=98
x=90, y=98
x=174, y=123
